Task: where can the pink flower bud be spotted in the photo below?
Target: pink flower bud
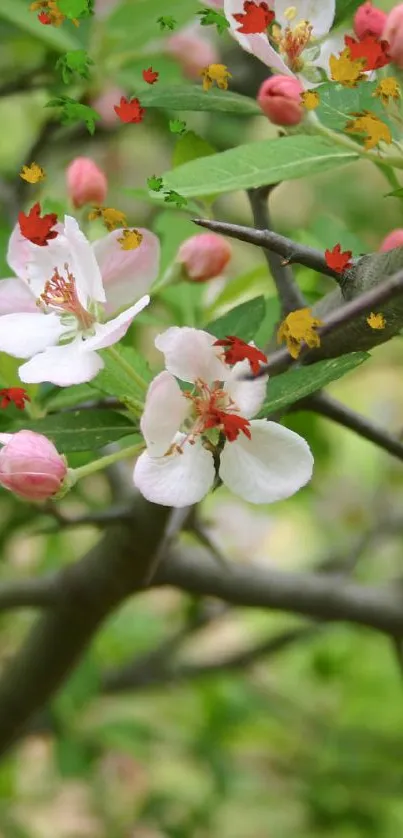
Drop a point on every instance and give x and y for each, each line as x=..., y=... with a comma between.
x=280, y=100
x=31, y=466
x=192, y=52
x=204, y=256
x=369, y=20
x=86, y=183
x=104, y=104
x=393, y=34
x=393, y=239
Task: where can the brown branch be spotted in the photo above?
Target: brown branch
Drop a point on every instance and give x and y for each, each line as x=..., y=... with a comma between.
x=319, y=596
x=31, y=593
x=89, y=591
x=290, y=250
x=288, y=292
x=326, y=406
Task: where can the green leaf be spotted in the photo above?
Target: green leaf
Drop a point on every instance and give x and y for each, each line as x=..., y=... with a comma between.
x=257, y=164
x=345, y=9
x=338, y=103
x=212, y=17
x=288, y=388
x=17, y=12
x=133, y=24
x=242, y=321
x=190, y=147
x=114, y=381
x=177, y=126
x=194, y=98
x=80, y=430
x=68, y=396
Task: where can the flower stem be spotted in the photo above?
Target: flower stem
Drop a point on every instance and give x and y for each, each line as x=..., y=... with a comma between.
x=127, y=368
x=104, y=462
x=340, y=139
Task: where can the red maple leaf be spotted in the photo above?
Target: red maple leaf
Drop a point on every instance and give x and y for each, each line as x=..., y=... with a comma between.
x=336, y=260
x=230, y=423
x=256, y=18
x=15, y=395
x=150, y=76
x=36, y=229
x=238, y=350
x=372, y=49
x=43, y=17
x=129, y=111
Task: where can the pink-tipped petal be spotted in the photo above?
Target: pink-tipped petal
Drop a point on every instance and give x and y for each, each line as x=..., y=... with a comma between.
x=126, y=274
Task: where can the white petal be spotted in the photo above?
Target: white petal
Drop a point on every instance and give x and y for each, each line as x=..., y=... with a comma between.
x=127, y=274
x=106, y=334
x=15, y=295
x=165, y=409
x=318, y=12
x=18, y=253
x=23, y=335
x=43, y=261
x=62, y=365
x=270, y=466
x=190, y=354
x=257, y=44
x=331, y=46
x=177, y=480
x=247, y=395
x=83, y=264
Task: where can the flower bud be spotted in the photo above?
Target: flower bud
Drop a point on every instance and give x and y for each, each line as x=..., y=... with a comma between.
x=369, y=20
x=393, y=34
x=86, y=183
x=280, y=100
x=393, y=239
x=204, y=256
x=31, y=466
x=192, y=52
x=104, y=104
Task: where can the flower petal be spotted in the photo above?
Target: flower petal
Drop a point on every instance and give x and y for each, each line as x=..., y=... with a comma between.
x=320, y=13
x=16, y=296
x=4, y=438
x=271, y=466
x=62, y=365
x=190, y=354
x=178, y=479
x=83, y=264
x=18, y=253
x=126, y=274
x=23, y=335
x=43, y=261
x=165, y=409
x=259, y=44
x=106, y=334
x=248, y=395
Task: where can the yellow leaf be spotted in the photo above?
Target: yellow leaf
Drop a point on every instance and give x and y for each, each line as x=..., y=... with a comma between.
x=130, y=240
x=310, y=99
x=388, y=88
x=370, y=124
x=32, y=173
x=376, y=321
x=217, y=73
x=112, y=218
x=344, y=70
x=298, y=328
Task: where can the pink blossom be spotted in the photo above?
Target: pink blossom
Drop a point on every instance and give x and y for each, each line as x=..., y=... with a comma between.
x=280, y=100
x=393, y=34
x=31, y=466
x=393, y=239
x=204, y=256
x=369, y=20
x=86, y=182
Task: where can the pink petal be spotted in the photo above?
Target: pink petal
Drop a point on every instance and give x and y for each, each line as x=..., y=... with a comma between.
x=126, y=274
x=15, y=296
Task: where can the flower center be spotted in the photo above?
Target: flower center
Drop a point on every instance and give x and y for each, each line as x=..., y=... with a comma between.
x=212, y=407
x=292, y=41
x=61, y=293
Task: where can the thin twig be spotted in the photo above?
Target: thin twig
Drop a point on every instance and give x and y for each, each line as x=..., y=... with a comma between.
x=381, y=293
x=325, y=405
x=288, y=292
x=290, y=250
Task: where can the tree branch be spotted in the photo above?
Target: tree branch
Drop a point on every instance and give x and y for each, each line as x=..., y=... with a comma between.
x=35, y=593
x=319, y=596
x=89, y=591
x=325, y=405
x=290, y=250
x=288, y=292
